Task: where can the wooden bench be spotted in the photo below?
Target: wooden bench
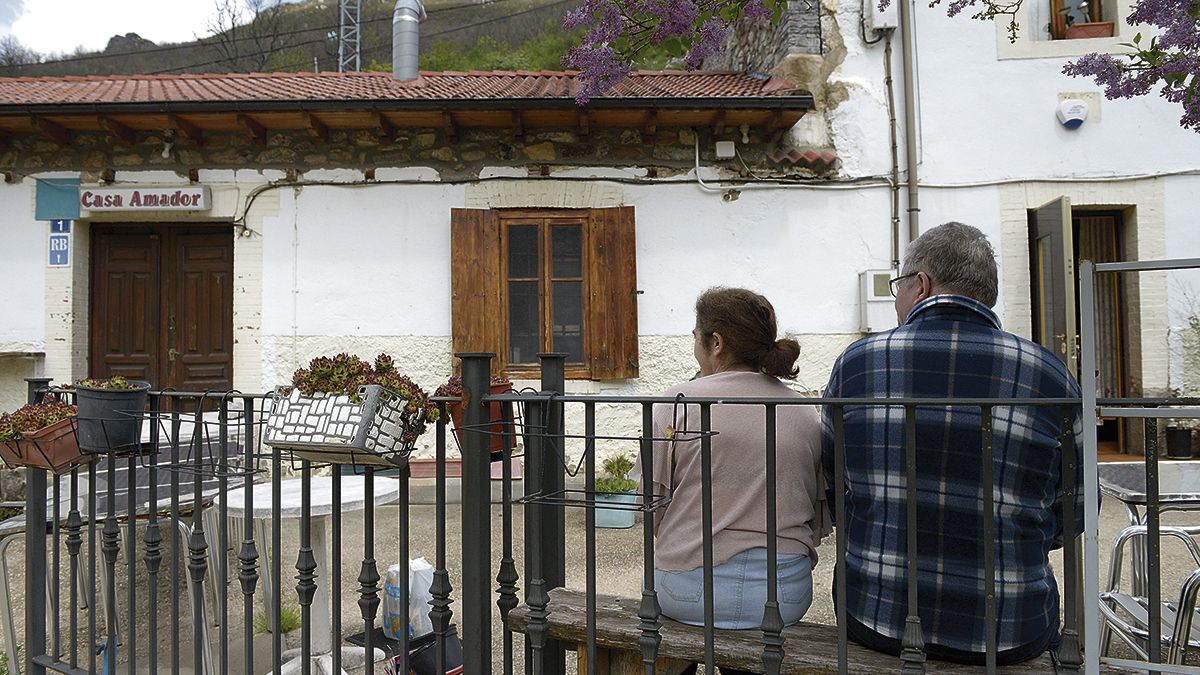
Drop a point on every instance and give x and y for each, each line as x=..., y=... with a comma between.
x=808, y=647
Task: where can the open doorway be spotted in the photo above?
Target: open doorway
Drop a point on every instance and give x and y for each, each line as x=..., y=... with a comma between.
x=1059, y=238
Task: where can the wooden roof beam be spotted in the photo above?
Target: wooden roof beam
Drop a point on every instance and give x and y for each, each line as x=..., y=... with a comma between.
x=316, y=127
x=186, y=128
x=448, y=125
x=57, y=132
x=718, y=123
x=776, y=121
x=518, y=123
x=649, y=125
x=124, y=135
x=258, y=133
x=387, y=130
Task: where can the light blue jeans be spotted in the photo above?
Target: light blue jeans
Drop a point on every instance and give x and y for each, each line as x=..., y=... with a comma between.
x=739, y=590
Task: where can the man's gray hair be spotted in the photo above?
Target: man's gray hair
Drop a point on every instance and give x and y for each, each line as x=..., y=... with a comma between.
x=958, y=259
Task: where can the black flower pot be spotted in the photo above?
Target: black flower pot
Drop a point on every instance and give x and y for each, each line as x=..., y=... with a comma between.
x=1179, y=443
x=110, y=419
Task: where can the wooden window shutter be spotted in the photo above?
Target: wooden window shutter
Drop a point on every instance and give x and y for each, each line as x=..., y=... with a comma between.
x=476, y=314
x=612, y=283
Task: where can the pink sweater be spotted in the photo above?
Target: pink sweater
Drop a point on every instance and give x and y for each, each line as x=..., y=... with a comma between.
x=739, y=474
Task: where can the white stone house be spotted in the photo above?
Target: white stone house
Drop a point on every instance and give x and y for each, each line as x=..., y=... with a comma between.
x=330, y=212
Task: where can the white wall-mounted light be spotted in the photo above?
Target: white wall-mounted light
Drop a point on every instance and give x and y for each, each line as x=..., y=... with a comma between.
x=167, y=146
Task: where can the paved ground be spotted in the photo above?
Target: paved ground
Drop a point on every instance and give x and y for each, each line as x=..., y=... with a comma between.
x=619, y=566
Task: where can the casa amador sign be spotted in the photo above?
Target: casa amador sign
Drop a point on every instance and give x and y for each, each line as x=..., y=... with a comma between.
x=151, y=198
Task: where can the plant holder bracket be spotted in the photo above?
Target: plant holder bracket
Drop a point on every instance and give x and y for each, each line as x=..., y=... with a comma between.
x=373, y=428
x=588, y=500
x=192, y=459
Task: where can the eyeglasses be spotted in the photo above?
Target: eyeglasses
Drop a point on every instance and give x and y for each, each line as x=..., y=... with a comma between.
x=893, y=284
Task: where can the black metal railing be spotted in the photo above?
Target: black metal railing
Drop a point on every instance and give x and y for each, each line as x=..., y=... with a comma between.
x=200, y=448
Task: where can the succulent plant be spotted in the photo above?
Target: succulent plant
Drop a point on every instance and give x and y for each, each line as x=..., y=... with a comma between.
x=114, y=382
x=453, y=387
x=33, y=417
x=617, y=467
x=343, y=374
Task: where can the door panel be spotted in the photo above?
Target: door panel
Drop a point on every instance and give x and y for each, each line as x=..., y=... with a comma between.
x=200, y=302
x=125, y=306
x=162, y=305
x=1054, y=265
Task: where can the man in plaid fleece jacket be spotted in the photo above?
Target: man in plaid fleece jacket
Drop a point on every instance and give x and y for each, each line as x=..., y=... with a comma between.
x=950, y=345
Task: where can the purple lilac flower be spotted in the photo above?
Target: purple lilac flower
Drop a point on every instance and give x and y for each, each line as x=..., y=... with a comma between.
x=600, y=69
x=707, y=43
x=1171, y=59
x=756, y=10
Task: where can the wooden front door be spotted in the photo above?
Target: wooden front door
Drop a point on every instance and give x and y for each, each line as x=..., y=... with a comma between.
x=162, y=305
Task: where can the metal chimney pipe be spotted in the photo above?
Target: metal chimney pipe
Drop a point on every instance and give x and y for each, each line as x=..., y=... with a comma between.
x=406, y=38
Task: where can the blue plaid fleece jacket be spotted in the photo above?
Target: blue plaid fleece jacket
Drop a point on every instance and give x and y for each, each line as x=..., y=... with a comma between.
x=952, y=346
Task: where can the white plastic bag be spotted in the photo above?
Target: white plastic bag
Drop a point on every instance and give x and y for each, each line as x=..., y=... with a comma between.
x=394, y=615
x=420, y=578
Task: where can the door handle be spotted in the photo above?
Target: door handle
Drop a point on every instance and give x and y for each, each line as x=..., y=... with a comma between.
x=172, y=354
x=1062, y=342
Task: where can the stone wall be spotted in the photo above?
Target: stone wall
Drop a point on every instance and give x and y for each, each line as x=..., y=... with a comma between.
x=759, y=46
x=668, y=152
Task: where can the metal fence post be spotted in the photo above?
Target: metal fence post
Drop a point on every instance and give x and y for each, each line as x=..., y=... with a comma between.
x=546, y=470
x=35, y=551
x=476, y=630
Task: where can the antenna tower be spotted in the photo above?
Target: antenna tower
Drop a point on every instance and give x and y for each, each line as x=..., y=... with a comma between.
x=349, y=35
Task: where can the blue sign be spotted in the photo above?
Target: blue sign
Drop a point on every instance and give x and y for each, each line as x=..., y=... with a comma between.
x=60, y=250
x=60, y=226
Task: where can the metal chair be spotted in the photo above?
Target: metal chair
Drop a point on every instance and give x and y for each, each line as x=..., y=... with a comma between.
x=1127, y=615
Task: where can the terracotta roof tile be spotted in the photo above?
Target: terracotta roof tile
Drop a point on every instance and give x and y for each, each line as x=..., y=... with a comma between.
x=249, y=87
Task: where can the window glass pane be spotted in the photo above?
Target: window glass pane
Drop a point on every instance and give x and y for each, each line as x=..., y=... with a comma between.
x=523, y=252
x=567, y=247
x=524, y=329
x=568, y=319
x=1077, y=11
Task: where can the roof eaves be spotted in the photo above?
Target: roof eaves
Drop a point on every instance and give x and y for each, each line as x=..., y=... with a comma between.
x=795, y=101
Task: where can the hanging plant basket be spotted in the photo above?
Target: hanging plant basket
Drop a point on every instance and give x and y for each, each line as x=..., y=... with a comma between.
x=53, y=448
x=110, y=418
x=375, y=427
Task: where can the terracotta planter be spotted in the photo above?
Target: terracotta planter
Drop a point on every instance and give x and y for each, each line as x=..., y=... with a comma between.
x=497, y=412
x=1094, y=29
x=54, y=448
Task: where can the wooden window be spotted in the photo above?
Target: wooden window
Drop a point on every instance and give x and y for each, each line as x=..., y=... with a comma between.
x=525, y=282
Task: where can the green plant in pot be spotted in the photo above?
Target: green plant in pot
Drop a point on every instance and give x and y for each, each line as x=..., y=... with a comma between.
x=616, y=493
x=40, y=435
x=110, y=413
x=344, y=410
x=497, y=413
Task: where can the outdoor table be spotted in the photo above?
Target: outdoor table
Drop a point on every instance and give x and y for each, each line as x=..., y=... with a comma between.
x=1178, y=490
x=387, y=490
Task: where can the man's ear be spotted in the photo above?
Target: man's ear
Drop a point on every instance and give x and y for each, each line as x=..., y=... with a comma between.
x=926, y=284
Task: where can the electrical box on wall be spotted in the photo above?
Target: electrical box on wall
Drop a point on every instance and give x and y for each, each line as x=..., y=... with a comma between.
x=877, y=20
x=876, y=309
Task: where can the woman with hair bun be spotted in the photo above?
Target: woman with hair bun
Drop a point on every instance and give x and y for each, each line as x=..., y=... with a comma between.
x=739, y=356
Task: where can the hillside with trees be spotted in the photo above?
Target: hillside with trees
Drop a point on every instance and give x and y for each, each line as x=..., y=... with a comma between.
x=265, y=35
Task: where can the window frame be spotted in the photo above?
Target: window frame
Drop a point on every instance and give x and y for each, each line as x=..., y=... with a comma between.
x=1027, y=46
x=545, y=220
